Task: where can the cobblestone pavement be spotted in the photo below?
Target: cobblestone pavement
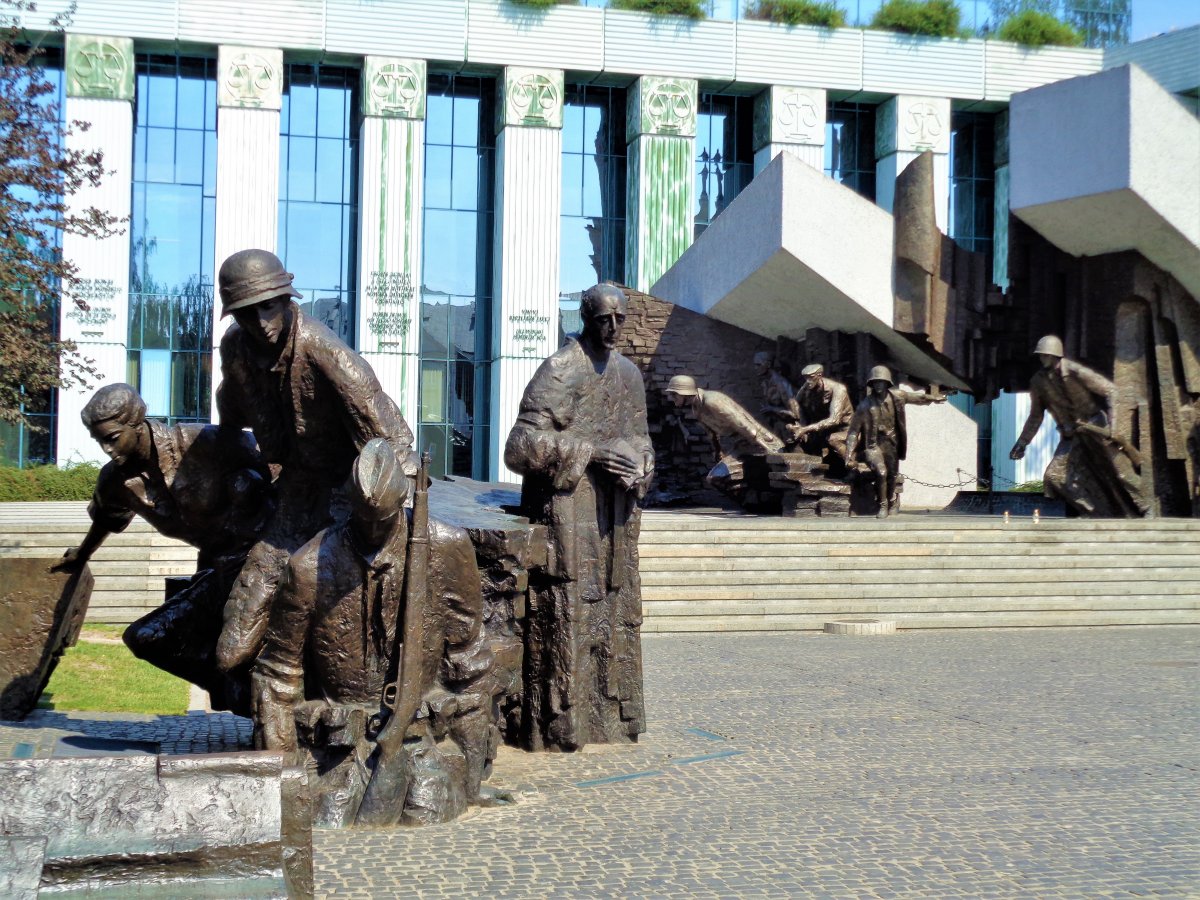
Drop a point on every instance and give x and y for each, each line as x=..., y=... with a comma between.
x=1047, y=763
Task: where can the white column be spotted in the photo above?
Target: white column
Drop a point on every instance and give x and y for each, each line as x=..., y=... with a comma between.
x=528, y=209
x=905, y=127
x=661, y=183
x=390, y=200
x=249, y=95
x=789, y=120
x=99, y=76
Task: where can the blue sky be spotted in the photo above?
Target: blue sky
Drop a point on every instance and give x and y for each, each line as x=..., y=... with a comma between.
x=1151, y=17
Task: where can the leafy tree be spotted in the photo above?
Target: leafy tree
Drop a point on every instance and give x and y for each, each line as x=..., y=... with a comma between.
x=38, y=174
x=798, y=12
x=1038, y=29
x=933, y=18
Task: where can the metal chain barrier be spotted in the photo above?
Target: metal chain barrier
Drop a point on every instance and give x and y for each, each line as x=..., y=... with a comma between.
x=971, y=478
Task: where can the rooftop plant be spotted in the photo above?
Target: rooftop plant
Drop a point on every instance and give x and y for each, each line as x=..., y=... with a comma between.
x=690, y=8
x=1034, y=28
x=933, y=18
x=798, y=12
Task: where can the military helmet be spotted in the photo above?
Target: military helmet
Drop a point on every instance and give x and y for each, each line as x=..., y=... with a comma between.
x=683, y=385
x=253, y=276
x=812, y=369
x=880, y=373
x=1050, y=346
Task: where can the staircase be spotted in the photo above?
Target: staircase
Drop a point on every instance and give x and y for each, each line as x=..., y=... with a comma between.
x=129, y=568
x=729, y=572
x=716, y=571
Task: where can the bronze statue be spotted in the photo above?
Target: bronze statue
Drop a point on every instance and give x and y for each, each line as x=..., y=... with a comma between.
x=377, y=630
x=879, y=430
x=313, y=404
x=731, y=430
x=824, y=413
x=581, y=443
x=779, y=397
x=1093, y=469
x=200, y=484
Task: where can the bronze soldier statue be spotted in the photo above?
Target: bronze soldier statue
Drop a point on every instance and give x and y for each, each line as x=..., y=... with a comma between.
x=1093, y=470
x=731, y=430
x=879, y=430
x=824, y=416
x=582, y=444
x=313, y=404
x=779, y=397
x=199, y=484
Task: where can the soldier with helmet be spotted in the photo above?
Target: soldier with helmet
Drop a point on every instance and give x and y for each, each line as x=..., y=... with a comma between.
x=879, y=430
x=731, y=429
x=1091, y=470
x=312, y=403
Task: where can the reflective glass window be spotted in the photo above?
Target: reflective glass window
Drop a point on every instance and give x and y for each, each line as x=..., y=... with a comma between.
x=592, y=247
x=318, y=190
x=724, y=153
x=24, y=444
x=456, y=279
x=850, y=146
x=172, y=229
x=972, y=179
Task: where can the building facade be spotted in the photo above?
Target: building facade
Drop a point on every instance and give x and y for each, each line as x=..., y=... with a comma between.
x=444, y=177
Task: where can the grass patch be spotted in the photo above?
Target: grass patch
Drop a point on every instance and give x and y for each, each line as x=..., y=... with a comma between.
x=108, y=678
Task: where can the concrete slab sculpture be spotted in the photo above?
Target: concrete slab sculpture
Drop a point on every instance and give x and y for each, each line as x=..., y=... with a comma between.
x=41, y=613
x=582, y=444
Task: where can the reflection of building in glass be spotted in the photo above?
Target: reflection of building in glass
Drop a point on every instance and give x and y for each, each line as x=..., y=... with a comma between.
x=972, y=180
x=592, y=247
x=456, y=347
x=724, y=153
x=318, y=190
x=172, y=229
x=20, y=444
x=850, y=146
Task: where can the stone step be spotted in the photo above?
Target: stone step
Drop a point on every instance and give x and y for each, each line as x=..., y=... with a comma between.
x=973, y=619
x=1098, y=573
x=659, y=521
x=744, y=566
x=964, y=592
x=899, y=606
x=750, y=550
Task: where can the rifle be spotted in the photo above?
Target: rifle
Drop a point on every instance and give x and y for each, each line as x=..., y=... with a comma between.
x=383, y=800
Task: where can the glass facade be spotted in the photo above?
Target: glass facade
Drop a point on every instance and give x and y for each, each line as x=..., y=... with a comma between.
x=972, y=180
x=456, y=288
x=172, y=227
x=724, y=153
x=592, y=247
x=21, y=444
x=318, y=190
x=850, y=146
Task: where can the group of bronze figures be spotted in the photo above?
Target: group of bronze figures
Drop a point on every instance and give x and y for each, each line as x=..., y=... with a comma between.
x=332, y=609
x=860, y=444
x=350, y=625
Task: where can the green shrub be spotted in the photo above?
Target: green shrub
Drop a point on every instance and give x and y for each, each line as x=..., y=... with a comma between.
x=690, y=8
x=933, y=18
x=798, y=12
x=1030, y=487
x=544, y=4
x=75, y=482
x=1037, y=29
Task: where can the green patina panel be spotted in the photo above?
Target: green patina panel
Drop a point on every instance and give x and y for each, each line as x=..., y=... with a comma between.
x=660, y=191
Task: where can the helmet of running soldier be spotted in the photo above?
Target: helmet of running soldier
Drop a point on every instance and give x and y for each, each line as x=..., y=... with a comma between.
x=253, y=276
x=880, y=373
x=683, y=385
x=1050, y=345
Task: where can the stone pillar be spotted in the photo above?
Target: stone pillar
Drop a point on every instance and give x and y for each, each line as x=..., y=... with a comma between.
x=99, y=91
x=390, y=200
x=249, y=95
x=906, y=127
x=529, y=114
x=789, y=120
x=661, y=206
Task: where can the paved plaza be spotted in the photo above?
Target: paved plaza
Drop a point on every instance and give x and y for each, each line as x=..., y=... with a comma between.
x=1021, y=763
